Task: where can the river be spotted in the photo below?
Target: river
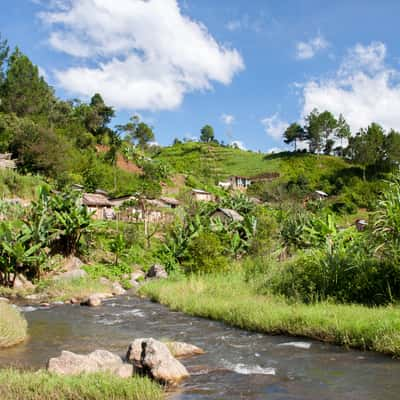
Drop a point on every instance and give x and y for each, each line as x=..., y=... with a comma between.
x=238, y=364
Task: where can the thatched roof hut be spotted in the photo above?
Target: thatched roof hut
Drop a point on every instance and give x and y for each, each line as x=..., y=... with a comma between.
x=170, y=201
x=227, y=215
x=95, y=200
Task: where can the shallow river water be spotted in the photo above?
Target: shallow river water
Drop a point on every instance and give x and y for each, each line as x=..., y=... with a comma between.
x=238, y=364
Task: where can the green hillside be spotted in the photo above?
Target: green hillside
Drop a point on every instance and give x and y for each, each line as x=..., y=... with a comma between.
x=210, y=163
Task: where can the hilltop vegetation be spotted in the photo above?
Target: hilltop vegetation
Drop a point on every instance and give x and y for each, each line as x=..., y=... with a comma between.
x=210, y=163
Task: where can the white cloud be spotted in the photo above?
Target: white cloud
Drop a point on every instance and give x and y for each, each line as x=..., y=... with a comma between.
x=275, y=150
x=245, y=22
x=274, y=126
x=43, y=73
x=306, y=50
x=364, y=89
x=140, y=54
x=188, y=137
x=239, y=144
x=227, y=119
x=233, y=25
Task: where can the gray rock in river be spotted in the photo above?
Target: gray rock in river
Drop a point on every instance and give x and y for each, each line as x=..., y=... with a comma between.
x=117, y=289
x=153, y=358
x=157, y=271
x=181, y=349
x=99, y=361
x=93, y=300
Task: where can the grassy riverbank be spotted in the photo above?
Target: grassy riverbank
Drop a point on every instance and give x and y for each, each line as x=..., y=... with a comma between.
x=17, y=385
x=13, y=326
x=228, y=298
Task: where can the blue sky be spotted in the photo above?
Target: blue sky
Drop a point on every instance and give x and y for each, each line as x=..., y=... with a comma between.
x=248, y=68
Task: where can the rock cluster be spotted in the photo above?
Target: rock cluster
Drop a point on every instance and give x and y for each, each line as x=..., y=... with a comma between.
x=153, y=358
x=145, y=356
x=99, y=361
x=157, y=271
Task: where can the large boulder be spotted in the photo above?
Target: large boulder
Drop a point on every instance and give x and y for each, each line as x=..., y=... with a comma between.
x=181, y=349
x=72, y=263
x=157, y=271
x=137, y=275
x=99, y=361
x=93, y=300
x=153, y=358
x=71, y=275
x=21, y=282
x=117, y=289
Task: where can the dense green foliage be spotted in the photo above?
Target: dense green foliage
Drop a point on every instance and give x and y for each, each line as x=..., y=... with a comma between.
x=59, y=139
x=53, y=224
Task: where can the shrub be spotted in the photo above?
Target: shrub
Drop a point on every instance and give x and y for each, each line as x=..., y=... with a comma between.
x=205, y=254
x=386, y=221
x=111, y=272
x=344, y=270
x=266, y=236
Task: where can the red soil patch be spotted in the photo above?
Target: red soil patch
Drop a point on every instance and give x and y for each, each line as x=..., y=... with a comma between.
x=123, y=164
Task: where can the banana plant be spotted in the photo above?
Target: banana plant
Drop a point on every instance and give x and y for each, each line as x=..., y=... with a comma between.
x=17, y=254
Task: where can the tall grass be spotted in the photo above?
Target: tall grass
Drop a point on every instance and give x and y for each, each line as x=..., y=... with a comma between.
x=65, y=289
x=17, y=385
x=14, y=184
x=230, y=299
x=13, y=326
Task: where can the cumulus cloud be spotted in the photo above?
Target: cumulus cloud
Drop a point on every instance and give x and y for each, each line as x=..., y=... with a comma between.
x=274, y=150
x=239, y=144
x=364, y=89
x=140, y=54
x=307, y=50
x=274, y=126
x=234, y=25
x=227, y=119
x=245, y=23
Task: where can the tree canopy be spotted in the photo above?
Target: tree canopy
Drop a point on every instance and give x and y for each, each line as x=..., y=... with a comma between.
x=207, y=134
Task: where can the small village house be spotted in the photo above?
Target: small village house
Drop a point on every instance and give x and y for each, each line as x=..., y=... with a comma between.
x=255, y=200
x=240, y=182
x=320, y=195
x=202, y=195
x=119, y=201
x=170, y=202
x=226, y=215
x=6, y=162
x=77, y=188
x=99, y=204
x=361, y=224
x=225, y=185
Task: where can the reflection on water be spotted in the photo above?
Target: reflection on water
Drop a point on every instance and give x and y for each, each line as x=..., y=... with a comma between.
x=237, y=365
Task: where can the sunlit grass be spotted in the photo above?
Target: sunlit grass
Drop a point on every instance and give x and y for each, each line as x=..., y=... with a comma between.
x=13, y=326
x=65, y=289
x=228, y=298
x=18, y=385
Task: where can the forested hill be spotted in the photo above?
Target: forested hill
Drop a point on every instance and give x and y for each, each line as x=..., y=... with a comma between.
x=73, y=142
